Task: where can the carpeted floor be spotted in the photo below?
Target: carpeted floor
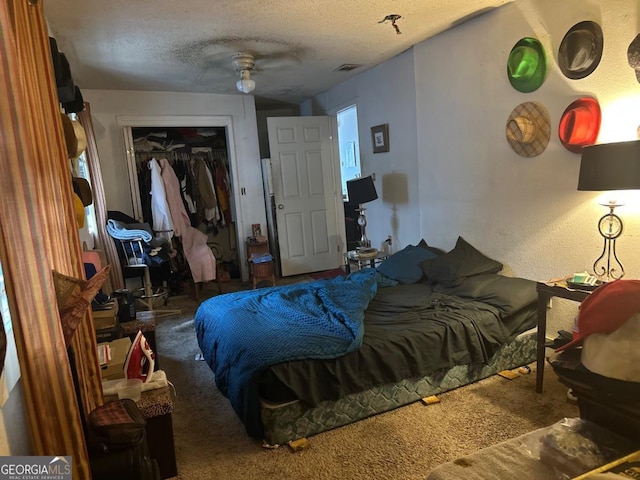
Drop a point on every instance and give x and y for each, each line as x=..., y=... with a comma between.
x=406, y=443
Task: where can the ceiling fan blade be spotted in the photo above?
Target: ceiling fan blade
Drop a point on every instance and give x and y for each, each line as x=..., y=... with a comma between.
x=277, y=60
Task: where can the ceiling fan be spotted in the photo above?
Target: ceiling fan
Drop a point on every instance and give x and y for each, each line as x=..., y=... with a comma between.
x=244, y=63
x=245, y=56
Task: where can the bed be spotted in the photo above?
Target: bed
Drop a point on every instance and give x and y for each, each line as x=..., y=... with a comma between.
x=300, y=359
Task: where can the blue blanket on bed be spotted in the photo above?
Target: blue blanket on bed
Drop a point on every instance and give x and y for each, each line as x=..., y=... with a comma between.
x=240, y=334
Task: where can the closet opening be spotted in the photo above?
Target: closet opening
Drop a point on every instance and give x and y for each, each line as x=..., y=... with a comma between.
x=202, y=158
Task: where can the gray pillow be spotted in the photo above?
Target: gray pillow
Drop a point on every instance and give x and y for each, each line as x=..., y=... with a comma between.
x=436, y=250
x=450, y=269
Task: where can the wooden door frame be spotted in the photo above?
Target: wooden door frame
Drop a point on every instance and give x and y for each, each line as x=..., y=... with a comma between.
x=126, y=122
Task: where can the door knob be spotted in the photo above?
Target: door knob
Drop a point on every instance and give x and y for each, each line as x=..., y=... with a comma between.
x=280, y=206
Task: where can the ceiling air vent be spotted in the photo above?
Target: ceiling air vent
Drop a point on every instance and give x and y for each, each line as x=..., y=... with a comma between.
x=347, y=67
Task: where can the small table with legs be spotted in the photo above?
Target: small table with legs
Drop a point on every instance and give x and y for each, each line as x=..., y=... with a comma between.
x=351, y=258
x=263, y=270
x=546, y=292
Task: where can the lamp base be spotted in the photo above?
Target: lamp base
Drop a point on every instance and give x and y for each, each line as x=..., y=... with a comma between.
x=362, y=222
x=607, y=266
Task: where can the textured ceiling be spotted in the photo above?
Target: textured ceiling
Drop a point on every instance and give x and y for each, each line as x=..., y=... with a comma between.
x=187, y=45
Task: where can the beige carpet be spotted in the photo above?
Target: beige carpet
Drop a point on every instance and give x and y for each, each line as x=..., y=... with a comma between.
x=406, y=443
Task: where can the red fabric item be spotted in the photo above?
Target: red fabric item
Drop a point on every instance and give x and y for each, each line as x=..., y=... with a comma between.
x=92, y=258
x=606, y=309
x=580, y=124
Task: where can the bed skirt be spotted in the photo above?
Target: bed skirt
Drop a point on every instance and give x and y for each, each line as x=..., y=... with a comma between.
x=293, y=420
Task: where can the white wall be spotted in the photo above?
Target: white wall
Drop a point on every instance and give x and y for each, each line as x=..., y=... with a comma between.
x=523, y=211
x=107, y=105
x=385, y=94
x=463, y=178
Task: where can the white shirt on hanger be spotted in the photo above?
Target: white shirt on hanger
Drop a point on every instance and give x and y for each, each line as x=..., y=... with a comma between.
x=160, y=213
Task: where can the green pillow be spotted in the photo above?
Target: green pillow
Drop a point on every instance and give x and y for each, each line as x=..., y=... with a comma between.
x=404, y=266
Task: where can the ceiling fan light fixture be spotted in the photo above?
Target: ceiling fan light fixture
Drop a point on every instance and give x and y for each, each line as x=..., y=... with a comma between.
x=245, y=84
x=244, y=63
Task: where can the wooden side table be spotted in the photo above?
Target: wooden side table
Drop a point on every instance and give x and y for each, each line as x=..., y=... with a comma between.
x=545, y=293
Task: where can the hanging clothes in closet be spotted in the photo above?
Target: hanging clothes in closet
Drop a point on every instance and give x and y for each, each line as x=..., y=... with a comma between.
x=162, y=223
x=206, y=191
x=186, y=186
x=223, y=189
x=205, y=187
x=199, y=159
x=199, y=257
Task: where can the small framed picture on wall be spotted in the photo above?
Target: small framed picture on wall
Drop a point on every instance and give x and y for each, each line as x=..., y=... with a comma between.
x=380, y=138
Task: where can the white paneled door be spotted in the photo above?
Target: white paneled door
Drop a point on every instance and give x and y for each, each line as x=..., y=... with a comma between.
x=306, y=192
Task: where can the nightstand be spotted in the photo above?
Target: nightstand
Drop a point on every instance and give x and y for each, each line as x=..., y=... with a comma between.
x=351, y=258
x=545, y=293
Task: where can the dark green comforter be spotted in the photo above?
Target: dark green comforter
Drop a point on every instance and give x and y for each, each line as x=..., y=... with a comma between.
x=412, y=331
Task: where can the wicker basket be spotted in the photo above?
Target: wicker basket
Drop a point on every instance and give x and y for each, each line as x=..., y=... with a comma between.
x=262, y=270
